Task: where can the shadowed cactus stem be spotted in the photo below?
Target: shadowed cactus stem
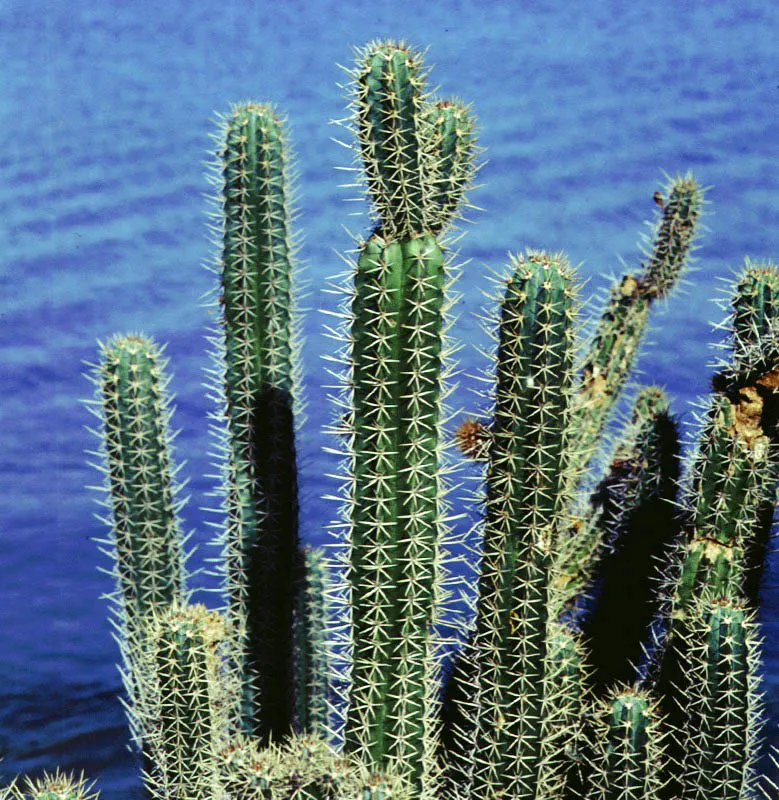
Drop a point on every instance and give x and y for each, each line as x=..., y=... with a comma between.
x=259, y=357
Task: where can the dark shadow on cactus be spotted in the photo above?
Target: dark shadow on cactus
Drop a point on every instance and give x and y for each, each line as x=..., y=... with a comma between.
x=270, y=564
x=626, y=599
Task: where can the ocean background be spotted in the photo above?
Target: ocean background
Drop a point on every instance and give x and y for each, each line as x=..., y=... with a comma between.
x=106, y=109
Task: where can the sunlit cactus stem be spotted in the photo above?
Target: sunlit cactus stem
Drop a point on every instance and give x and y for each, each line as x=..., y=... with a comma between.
x=722, y=707
x=146, y=542
x=260, y=350
x=184, y=720
x=417, y=159
x=526, y=476
x=146, y=536
x=394, y=535
x=629, y=762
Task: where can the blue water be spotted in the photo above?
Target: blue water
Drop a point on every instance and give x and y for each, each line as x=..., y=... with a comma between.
x=105, y=116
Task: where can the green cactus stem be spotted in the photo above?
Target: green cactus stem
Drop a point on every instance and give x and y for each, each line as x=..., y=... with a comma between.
x=755, y=371
x=185, y=695
x=395, y=516
x=146, y=543
x=260, y=375
x=310, y=650
x=721, y=709
x=639, y=529
x=146, y=535
x=526, y=475
x=452, y=146
x=388, y=104
x=630, y=761
x=613, y=350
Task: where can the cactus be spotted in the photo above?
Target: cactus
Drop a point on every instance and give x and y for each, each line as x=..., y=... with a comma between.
x=639, y=529
x=146, y=543
x=613, y=350
x=540, y=702
x=310, y=650
x=304, y=768
x=183, y=719
x=417, y=158
x=720, y=734
x=59, y=786
x=259, y=345
x=526, y=475
x=629, y=762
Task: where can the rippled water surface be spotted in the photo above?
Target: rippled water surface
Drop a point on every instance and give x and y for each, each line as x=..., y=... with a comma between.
x=105, y=115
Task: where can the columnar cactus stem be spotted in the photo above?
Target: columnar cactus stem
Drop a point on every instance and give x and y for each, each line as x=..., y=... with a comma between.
x=184, y=720
x=614, y=348
x=146, y=532
x=629, y=763
x=417, y=160
x=397, y=359
x=146, y=542
x=526, y=475
x=310, y=650
x=260, y=349
x=721, y=708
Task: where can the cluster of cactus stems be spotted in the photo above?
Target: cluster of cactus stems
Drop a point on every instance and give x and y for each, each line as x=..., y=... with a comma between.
x=612, y=650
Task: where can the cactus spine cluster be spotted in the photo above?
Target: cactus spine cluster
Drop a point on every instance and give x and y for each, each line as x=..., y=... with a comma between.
x=586, y=670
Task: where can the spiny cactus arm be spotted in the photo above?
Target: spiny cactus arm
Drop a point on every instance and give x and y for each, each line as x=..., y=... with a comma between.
x=526, y=474
x=387, y=107
x=185, y=697
x=629, y=762
x=449, y=127
x=734, y=476
x=566, y=697
x=396, y=353
x=721, y=707
x=260, y=350
x=612, y=352
x=146, y=544
x=728, y=476
x=310, y=649
x=146, y=539
x=635, y=493
x=639, y=531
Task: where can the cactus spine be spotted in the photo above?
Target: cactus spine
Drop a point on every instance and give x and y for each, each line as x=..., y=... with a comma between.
x=260, y=348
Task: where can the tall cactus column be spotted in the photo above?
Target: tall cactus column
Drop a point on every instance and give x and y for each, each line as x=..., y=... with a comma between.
x=417, y=160
x=259, y=377
x=514, y=697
